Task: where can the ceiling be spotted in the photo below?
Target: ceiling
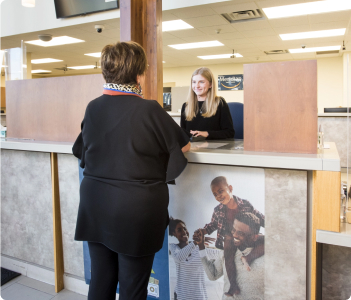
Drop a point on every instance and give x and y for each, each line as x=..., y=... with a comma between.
x=250, y=38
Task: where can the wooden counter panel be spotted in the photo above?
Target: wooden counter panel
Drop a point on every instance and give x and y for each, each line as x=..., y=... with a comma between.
x=280, y=101
x=50, y=109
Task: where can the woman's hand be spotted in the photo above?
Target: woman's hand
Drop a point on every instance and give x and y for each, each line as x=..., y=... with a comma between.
x=199, y=133
x=186, y=148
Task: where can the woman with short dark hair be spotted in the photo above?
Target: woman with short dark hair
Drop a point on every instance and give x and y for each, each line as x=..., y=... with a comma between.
x=130, y=148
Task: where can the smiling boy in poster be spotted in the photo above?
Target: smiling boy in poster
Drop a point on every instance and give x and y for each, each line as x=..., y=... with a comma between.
x=223, y=220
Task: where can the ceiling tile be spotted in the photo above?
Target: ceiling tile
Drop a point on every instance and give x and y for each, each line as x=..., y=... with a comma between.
x=226, y=36
x=193, y=12
x=235, y=7
x=259, y=33
x=188, y=33
x=206, y=21
x=293, y=29
x=252, y=25
x=330, y=17
x=213, y=29
x=287, y=22
x=168, y=16
x=329, y=25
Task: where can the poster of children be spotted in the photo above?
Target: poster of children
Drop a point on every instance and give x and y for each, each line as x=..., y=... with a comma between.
x=216, y=233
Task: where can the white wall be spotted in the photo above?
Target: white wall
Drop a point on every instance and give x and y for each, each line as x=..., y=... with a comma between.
x=329, y=82
x=182, y=76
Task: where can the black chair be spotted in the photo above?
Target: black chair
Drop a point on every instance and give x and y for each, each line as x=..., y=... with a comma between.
x=237, y=113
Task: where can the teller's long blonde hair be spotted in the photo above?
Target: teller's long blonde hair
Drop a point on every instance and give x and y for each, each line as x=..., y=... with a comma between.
x=210, y=106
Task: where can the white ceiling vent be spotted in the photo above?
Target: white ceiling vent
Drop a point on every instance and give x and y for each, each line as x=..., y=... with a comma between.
x=271, y=52
x=243, y=16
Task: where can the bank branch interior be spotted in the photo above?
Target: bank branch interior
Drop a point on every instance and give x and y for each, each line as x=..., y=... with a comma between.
x=285, y=63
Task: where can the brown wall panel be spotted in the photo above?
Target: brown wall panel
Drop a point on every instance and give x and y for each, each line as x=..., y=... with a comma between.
x=50, y=109
x=280, y=100
x=3, y=96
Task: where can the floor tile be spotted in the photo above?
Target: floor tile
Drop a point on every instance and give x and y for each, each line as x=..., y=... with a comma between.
x=68, y=295
x=20, y=292
x=38, y=285
x=11, y=282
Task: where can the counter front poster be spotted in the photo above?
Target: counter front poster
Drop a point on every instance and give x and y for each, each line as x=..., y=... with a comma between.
x=216, y=242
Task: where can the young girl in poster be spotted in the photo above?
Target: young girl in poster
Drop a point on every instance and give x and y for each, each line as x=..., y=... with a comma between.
x=190, y=273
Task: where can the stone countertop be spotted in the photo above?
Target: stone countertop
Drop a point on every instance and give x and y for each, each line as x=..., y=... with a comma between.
x=222, y=152
x=342, y=238
x=174, y=113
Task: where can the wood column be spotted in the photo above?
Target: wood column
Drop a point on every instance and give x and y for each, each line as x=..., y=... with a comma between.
x=141, y=22
x=58, y=245
x=325, y=216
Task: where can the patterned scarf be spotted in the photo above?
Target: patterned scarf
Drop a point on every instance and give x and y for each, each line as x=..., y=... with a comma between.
x=125, y=88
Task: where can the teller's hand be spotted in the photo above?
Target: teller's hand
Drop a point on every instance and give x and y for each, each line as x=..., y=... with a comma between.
x=199, y=133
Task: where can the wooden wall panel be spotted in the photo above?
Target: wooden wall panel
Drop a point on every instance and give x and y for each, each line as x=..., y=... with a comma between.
x=3, y=96
x=280, y=100
x=325, y=215
x=50, y=109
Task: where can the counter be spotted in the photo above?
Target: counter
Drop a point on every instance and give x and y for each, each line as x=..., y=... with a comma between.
x=283, y=182
x=227, y=153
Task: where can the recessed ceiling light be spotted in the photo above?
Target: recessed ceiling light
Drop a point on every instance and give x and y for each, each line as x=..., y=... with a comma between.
x=312, y=34
x=82, y=67
x=44, y=60
x=163, y=61
x=197, y=45
x=175, y=25
x=308, y=8
x=220, y=56
x=56, y=41
x=40, y=71
x=96, y=54
x=314, y=49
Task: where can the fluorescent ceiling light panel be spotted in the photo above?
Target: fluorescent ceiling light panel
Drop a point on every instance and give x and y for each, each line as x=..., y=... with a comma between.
x=44, y=60
x=315, y=49
x=82, y=67
x=56, y=41
x=312, y=34
x=220, y=56
x=175, y=25
x=96, y=54
x=308, y=8
x=40, y=71
x=196, y=45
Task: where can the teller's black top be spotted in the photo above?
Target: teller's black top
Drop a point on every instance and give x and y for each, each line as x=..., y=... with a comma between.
x=130, y=148
x=219, y=126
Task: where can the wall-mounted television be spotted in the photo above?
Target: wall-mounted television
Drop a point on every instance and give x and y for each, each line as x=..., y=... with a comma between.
x=73, y=8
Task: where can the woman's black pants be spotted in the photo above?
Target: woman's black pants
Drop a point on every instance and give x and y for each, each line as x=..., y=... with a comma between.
x=108, y=268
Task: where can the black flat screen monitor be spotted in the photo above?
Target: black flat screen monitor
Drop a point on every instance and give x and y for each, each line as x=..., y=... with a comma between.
x=72, y=8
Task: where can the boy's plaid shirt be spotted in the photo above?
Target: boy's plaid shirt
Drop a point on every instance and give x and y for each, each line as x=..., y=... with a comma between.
x=219, y=222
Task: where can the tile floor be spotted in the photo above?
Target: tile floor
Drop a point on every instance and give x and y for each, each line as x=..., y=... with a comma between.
x=24, y=288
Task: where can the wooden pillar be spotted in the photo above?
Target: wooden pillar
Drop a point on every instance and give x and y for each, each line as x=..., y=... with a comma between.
x=141, y=22
x=58, y=245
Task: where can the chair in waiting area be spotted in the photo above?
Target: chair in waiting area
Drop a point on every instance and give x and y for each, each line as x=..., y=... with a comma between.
x=237, y=113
